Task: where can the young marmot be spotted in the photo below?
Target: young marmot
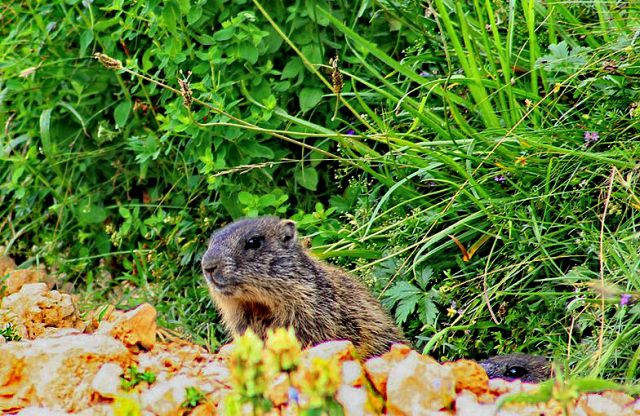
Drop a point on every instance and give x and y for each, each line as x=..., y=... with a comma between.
x=529, y=368
x=260, y=277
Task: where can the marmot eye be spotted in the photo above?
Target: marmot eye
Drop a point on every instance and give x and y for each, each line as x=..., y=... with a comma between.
x=516, y=371
x=254, y=243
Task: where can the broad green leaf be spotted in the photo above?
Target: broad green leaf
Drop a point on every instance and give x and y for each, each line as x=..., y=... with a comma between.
x=248, y=52
x=85, y=40
x=293, y=68
x=224, y=34
x=256, y=149
x=307, y=178
x=170, y=15
x=405, y=308
x=309, y=98
x=91, y=214
x=245, y=198
x=121, y=113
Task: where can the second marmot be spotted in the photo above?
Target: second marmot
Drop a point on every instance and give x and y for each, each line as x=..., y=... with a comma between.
x=260, y=277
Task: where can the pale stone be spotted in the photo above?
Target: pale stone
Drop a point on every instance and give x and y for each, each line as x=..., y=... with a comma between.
x=6, y=264
x=165, y=398
x=599, y=405
x=41, y=411
x=226, y=350
x=377, y=368
x=470, y=376
x=467, y=405
x=353, y=400
x=18, y=278
x=216, y=370
x=107, y=381
x=135, y=328
x=55, y=372
x=35, y=311
x=417, y=373
x=344, y=350
x=352, y=373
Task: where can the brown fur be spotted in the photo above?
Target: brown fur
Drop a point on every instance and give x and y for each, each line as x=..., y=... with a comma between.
x=525, y=367
x=279, y=284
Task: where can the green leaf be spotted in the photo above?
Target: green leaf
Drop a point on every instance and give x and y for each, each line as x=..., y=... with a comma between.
x=248, y=52
x=91, y=214
x=185, y=6
x=256, y=149
x=224, y=34
x=307, y=178
x=121, y=113
x=195, y=13
x=428, y=312
x=401, y=290
x=245, y=198
x=425, y=277
x=85, y=39
x=170, y=15
x=309, y=98
x=124, y=213
x=45, y=132
x=292, y=69
x=405, y=308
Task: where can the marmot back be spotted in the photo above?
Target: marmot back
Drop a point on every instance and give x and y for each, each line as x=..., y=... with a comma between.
x=260, y=277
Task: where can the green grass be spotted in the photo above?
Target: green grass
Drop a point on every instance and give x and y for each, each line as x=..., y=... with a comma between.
x=458, y=127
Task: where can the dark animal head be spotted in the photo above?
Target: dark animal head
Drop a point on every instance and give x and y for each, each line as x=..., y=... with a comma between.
x=250, y=257
x=525, y=367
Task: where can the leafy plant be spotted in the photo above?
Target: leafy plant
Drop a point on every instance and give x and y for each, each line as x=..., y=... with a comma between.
x=9, y=333
x=195, y=396
x=135, y=377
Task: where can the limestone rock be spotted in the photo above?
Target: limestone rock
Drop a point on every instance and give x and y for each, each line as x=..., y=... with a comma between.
x=36, y=311
x=469, y=375
x=18, y=278
x=353, y=373
x=7, y=265
x=377, y=368
x=135, y=328
x=604, y=405
x=107, y=382
x=354, y=400
x=165, y=398
x=416, y=373
x=55, y=372
x=343, y=350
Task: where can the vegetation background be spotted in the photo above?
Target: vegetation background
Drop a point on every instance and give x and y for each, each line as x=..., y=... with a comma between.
x=479, y=167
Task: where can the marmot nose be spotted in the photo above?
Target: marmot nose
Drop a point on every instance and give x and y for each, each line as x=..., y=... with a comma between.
x=209, y=270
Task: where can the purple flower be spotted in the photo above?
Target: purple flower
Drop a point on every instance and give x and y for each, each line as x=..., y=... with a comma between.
x=591, y=137
x=351, y=132
x=625, y=299
x=425, y=74
x=294, y=396
x=500, y=179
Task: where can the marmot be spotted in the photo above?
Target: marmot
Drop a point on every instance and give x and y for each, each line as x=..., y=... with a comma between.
x=525, y=367
x=261, y=277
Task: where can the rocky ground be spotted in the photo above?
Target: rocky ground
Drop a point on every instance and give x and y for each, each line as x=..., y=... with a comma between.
x=111, y=362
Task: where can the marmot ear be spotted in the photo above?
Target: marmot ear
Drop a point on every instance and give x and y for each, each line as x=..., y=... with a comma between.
x=288, y=233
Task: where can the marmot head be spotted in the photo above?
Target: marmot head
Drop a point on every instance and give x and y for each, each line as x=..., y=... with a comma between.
x=525, y=367
x=250, y=257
